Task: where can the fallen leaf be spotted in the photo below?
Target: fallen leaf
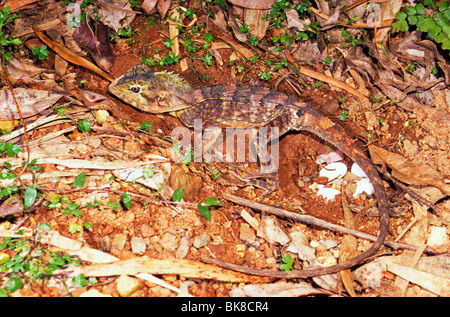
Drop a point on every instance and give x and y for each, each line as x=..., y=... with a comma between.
x=31, y=102
x=116, y=14
x=293, y=21
x=149, y=5
x=256, y=25
x=270, y=230
x=433, y=283
x=279, y=289
x=162, y=7
x=253, y=4
x=70, y=56
x=408, y=172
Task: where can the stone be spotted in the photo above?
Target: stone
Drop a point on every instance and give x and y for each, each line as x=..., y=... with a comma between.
x=201, y=240
x=127, y=285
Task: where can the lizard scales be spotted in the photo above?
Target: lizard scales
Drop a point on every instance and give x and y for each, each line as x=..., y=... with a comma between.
x=244, y=106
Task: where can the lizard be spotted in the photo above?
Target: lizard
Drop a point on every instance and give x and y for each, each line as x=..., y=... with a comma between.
x=240, y=105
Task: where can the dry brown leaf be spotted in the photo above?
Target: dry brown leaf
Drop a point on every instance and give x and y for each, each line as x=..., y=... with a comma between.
x=116, y=14
x=388, y=12
x=253, y=4
x=433, y=283
x=332, y=19
x=31, y=102
x=293, y=21
x=18, y=68
x=97, y=44
x=408, y=172
x=149, y=5
x=257, y=26
x=15, y=5
x=348, y=247
x=279, y=289
x=162, y=7
x=70, y=56
x=174, y=31
x=10, y=209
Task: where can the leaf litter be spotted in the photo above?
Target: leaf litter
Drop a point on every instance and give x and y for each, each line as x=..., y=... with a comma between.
x=394, y=86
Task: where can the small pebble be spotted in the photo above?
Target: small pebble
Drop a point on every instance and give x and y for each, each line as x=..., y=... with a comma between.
x=201, y=241
x=127, y=285
x=94, y=293
x=138, y=245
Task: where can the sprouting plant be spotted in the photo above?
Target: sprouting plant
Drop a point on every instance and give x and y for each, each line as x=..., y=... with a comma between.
x=264, y=75
x=40, y=52
x=84, y=125
x=207, y=59
x=436, y=24
x=9, y=148
x=178, y=195
x=203, y=207
x=126, y=200
x=147, y=126
x=5, y=41
x=277, y=14
x=31, y=261
x=287, y=263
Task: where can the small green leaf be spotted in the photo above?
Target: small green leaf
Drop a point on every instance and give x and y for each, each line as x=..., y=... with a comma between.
x=148, y=172
x=426, y=24
x=35, y=50
x=84, y=125
x=430, y=4
x=126, y=200
x=434, y=31
x=146, y=125
x=14, y=284
x=413, y=20
x=75, y=227
x=410, y=11
x=446, y=28
x=446, y=45
x=205, y=211
x=287, y=263
x=30, y=197
x=420, y=8
x=13, y=149
x=253, y=41
x=79, y=180
x=212, y=201
x=443, y=6
x=400, y=16
x=209, y=37
x=441, y=37
x=400, y=25
x=168, y=43
x=178, y=194
x=79, y=280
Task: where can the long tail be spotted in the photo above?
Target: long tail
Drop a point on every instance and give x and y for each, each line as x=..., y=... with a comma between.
x=315, y=122
x=311, y=120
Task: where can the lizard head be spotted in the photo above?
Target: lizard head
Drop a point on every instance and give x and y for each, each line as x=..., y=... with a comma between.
x=151, y=91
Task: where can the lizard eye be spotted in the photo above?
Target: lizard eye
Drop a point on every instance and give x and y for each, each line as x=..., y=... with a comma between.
x=135, y=89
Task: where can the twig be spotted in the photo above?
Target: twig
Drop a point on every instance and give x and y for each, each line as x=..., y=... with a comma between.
x=316, y=222
x=411, y=193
